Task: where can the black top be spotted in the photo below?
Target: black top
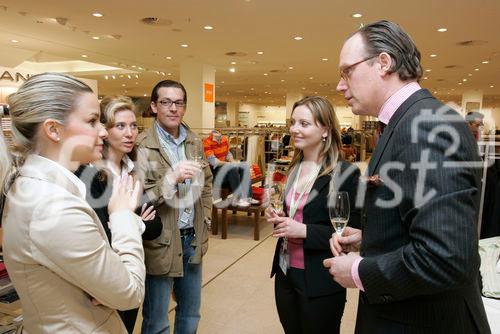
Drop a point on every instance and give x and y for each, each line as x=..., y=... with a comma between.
x=98, y=193
x=319, y=282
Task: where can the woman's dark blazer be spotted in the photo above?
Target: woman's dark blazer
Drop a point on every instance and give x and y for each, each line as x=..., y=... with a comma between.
x=98, y=193
x=318, y=280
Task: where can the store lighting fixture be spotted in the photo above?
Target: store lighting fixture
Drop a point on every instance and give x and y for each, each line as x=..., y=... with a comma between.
x=425, y=78
x=357, y=15
x=282, y=80
x=168, y=58
x=233, y=63
x=136, y=76
x=208, y=27
x=114, y=77
x=298, y=38
x=459, y=83
x=184, y=45
x=428, y=70
x=476, y=69
x=485, y=62
x=492, y=86
x=169, y=73
x=128, y=76
x=290, y=67
x=433, y=56
x=265, y=74
x=97, y=15
x=106, y=77
x=84, y=56
x=442, y=30
x=133, y=66
x=464, y=80
x=324, y=59
x=123, y=85
x=145, y=94
x=96, y=37
x=260, y=52
x=232, y=70
x=310, y=78
x=470, y=74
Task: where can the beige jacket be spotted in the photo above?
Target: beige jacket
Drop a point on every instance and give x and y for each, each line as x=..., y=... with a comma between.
x=164, y=254
x=58, y=256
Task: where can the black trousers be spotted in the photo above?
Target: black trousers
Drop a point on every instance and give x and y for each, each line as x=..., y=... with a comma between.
x=235, y=176
x=128, y=318
x=300, y=314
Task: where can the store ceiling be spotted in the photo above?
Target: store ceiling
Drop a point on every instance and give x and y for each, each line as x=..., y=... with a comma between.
x=246, y=27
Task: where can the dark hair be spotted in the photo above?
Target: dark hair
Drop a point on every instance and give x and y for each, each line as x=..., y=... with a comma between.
x=473, y=116
x=389, y=37
x=167, y=84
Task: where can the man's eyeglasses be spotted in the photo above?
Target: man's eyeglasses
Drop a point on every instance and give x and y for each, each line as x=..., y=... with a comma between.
x=346, y=71
x=168, y=103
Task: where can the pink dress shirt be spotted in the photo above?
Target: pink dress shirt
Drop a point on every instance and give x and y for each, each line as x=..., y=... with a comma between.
x=296, y=245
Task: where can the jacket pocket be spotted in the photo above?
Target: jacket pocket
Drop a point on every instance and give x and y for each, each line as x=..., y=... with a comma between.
x=159, y=254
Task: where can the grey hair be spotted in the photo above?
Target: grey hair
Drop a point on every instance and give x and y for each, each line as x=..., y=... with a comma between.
x=43, y=96
x=389, y=37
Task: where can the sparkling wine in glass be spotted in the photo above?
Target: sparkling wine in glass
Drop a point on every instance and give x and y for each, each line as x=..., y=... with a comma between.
x=196, y=150
x=277, y=197
x=339, y=210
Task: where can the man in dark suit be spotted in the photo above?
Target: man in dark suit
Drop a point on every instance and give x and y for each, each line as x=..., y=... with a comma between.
x=418, y=257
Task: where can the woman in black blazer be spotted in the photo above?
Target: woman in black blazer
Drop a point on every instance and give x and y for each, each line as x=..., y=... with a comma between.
x=307, y=298
x=118, y=116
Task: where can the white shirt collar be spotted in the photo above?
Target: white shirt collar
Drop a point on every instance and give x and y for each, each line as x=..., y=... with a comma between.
x=127, y=166
x=72, y=177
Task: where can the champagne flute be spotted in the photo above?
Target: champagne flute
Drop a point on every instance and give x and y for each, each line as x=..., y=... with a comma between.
x=196, y=150
x=277, y=197
x=339, y=211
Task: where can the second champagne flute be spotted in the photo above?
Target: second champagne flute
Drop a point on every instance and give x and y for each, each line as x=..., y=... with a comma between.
x=339, y=211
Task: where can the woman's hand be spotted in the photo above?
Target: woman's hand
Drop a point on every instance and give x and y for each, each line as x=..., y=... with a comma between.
x=147, y=214
x=125, y=194
x=287, y=227
x=350, y=241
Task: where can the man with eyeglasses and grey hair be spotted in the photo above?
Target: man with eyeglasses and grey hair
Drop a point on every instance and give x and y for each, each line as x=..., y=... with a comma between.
x=415, y=260
x=182, y=191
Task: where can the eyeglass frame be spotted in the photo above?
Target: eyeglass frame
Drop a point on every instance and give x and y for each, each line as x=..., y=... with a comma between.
x=346, y=71
x=168, y=103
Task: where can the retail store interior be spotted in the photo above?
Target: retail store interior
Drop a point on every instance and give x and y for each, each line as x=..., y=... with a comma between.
x=244, y=63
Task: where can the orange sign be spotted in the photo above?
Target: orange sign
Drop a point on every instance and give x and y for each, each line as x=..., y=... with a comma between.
x=209, y=92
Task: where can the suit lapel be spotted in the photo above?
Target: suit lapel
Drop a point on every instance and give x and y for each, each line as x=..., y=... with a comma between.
x=389, y=130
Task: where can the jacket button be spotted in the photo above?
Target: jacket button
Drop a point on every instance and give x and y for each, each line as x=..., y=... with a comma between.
x=180, y=254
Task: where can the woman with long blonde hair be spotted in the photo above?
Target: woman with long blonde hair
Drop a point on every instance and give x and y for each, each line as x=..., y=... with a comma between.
x=307, y=299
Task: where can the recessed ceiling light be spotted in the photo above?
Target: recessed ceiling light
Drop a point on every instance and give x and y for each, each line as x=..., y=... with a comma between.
x=252, y=88
x=310, y=78
x=470, y=74
x=133, y=66
x=282, y=80
x=260, y=52
x=123, y=85
x=232, y=70
x=84, y=56
x=425, y=78
x=140, y=68
x=265, y=74
x=492, y=86
x=97, y=15
x=114, y=77
x=145, y=94
x=464, y=80
x=357, y=15
x=184, y=45
x=476, y=69
x=136, y=76
x=96, y=37
x=433, y=55
x=233, y=63
x=106, y=77
x=169, y=73
x=208, y=27
x=290, y=67
x=485, y=62
x=298, y=38
x=442, y=30
x=136, y=83
x=168, y=58
x=459, y=83
x=428, y=70
x=324, y=59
